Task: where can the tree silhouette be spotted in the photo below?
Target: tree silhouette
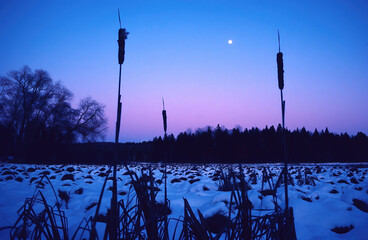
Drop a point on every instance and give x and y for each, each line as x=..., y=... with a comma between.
x=36, y=114
x=263, y=146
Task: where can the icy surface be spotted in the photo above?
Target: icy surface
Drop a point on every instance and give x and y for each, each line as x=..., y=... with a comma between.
x=317, y=209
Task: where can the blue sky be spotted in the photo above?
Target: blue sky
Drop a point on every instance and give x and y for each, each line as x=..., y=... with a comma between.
x=178, y=50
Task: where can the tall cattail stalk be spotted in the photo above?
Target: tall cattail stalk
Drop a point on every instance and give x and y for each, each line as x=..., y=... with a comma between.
x=164, y=118
x=280, y=75
x=114, y=211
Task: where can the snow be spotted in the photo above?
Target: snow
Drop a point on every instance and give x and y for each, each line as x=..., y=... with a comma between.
x=314, y=219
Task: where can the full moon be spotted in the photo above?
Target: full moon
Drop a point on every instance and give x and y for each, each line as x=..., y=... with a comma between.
x=230, y=41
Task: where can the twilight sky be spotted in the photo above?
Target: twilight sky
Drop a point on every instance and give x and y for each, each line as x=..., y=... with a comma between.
x=178, y=50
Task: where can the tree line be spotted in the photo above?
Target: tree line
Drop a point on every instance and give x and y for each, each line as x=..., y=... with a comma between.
x=38, y=124
x=220, y=145
x=37, y=119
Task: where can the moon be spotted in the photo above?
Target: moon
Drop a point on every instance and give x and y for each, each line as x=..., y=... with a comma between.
x=230, y=41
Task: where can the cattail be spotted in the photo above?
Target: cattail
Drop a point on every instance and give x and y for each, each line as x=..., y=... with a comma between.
x=164, y=116
x=280, y=70
x=123, y=34
x=280, y=65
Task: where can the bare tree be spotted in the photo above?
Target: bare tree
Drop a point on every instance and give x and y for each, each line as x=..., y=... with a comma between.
x=35, y=107
x=26, y=94
x=91, y=122
x=59, y=116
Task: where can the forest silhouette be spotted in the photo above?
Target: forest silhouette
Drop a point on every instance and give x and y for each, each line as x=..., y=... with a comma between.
x=36, y=116
x=220, y=145
x=39, y=125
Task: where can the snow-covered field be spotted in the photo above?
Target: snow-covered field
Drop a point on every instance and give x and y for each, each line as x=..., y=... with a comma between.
x=331, y=203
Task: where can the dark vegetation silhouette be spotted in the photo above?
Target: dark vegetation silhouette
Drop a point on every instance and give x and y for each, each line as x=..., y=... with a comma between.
x=39, y=125
x=220, y=145
x=37, y=120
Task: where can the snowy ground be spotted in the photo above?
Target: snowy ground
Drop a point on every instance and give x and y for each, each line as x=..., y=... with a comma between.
x=317, y=209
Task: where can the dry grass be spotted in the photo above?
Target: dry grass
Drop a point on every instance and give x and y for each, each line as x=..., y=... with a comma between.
x=39, y=220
